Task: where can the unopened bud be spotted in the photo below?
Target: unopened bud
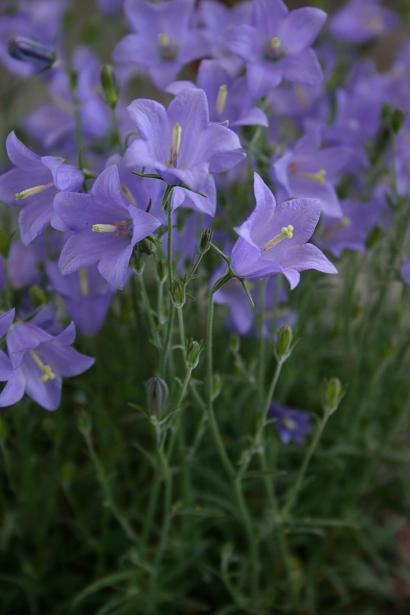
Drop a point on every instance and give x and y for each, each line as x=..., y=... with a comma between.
x=284, y=342
x=178, y=293
x=216, y=386
x=32, y=52
x=205, y=242
x=193, y=353
x=109, y=86
x=157, y=395
x=84, y=423
x=333, y=395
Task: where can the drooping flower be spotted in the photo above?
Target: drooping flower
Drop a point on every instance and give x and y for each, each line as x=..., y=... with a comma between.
x=291, y=425
x=37, y=362
x=274, y=238
x=33, y=182
x=229, y=99
x=86, y=296
x=164, y=38
x=309, y=171
x=180, y=143
x=361, y=20
x=277, y=45
x=105, y=228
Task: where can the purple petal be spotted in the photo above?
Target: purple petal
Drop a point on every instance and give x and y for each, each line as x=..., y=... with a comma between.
x=300, y=28
x=303, y=68
x=14, y=389
x=5, y=321
x=87, y=248
x=107, y=188
x=65, y=176
x=115, y=268
x=46, y=394
x=20, y=155
x=34, y=218
x=64, y=360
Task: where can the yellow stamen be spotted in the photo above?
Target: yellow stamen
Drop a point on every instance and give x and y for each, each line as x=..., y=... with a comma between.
x=47, y=370
x=104, y=228
x=319, y=176
x=275, y=43
x=221, y=100
x=175, y=145
x=286, y=232
x=130, y=198
x=84, y=285
x=289, y=423
x=25, y=194
x=164, y=39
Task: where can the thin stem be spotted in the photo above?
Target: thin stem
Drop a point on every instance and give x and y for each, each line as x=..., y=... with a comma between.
x=148, y=309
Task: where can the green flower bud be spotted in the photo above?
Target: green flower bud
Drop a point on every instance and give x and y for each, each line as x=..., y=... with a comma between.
x=84, y=423
x=333, y=395
x=216, y=386
x=193, y=353
x=284, y=342
x=178, y=293
x=109, y=86
x=157, y=395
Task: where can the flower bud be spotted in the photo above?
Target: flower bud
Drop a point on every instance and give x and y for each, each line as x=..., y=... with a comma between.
x=157, y=395
x=84, y=423
x=216, y=386
x=205, y=241
x=193, y=353
x=32, y=52
x=333, y=395
x=284, y=342
x=109, y=86
x=178, y=293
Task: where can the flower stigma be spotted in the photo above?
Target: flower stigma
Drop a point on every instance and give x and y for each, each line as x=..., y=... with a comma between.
x=168, y=49
x=84, y=285
x=33, y=191
x=221, y=99
x=176, y=145
x=47, y=371
x=286, y=232
x=319, y=176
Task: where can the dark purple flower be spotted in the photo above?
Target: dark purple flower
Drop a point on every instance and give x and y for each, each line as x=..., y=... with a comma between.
x=229, y=99
x=309, y=171
x=86, y=296
x=34, y=181
x=274, y=238
x=277, y=45
x=291, y=425
x=180, y=143
x=37, y=362
x=105, y=228
x=164, y=38
x=361, y=20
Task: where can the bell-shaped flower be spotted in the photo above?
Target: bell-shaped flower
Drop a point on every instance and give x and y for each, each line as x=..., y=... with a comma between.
x=105, y=228
x=37, y=362
x=274, y=239
x=164, y=38
x=291, y=425
x=358, y=21
x=33, y=182
x=180, y=143
x=277, y=45
x=309, y=171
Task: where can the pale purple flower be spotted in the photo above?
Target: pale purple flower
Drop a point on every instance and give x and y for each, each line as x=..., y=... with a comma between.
x=274, y=238
x=291, y=425
x=164, y=38
x=180, y=143
x=105, y=228
x=37, y=362
x=86, y=296
x=361, y=20
x=277, y=45
x=33, y=182
x=313, y=172
x=23, y=265
x=229, y=99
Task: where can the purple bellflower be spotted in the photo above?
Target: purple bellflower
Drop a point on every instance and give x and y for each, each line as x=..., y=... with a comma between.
x=277, y=45
x=291, y=425
x=361, y=20
x=164, y=39
x=37, y=362
x=86, y=296
x=309, y=171
x=105, y=228
x=274, y=238
x=33, y=183
x=181, y=144
x=229, y=99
